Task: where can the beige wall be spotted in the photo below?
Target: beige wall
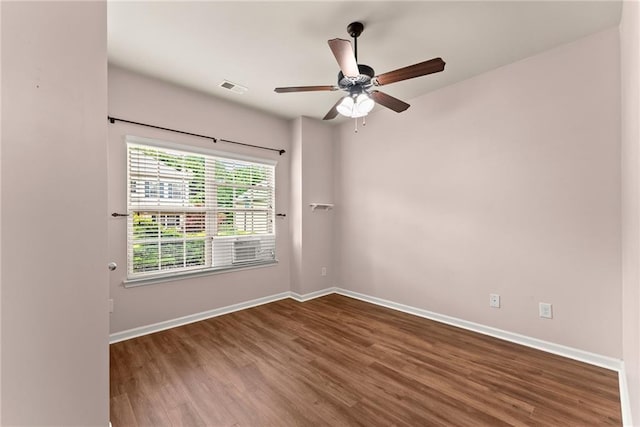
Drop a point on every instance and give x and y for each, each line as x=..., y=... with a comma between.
x=505, y=183
x=295, y=207
x=0, y=216
x=311, y=182
x=630, y=64
x=137, y=98
x=317, y=187
x=54, y=237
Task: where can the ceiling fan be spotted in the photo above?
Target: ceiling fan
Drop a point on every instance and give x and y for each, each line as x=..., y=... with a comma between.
x=358, y=80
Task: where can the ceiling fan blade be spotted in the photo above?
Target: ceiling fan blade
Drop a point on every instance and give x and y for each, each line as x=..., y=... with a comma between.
x=431, y=66
x=388, y=101
x=333, y=112
x=344, y=55
x=304, y=89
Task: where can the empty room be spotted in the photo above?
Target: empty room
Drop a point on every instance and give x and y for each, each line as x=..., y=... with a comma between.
x=320, y=213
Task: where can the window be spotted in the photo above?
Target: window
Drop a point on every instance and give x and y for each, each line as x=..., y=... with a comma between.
x=193, y=212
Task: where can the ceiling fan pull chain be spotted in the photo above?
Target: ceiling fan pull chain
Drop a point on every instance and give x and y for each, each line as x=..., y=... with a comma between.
x=364, y=121
x=356, y=129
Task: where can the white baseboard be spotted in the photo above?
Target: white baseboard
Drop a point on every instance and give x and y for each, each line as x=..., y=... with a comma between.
x=625, y=400
x=168, y=324
x=549, y=347
x=571, y=353
x=317, y=294
x=561, y=350
x=185, y=320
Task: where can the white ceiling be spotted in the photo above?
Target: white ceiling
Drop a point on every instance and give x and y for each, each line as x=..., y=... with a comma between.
x=263, y=45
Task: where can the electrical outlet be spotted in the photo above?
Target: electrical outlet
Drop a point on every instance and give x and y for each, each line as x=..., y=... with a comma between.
x=494, y=300
x=546, y=310
x=323, y=271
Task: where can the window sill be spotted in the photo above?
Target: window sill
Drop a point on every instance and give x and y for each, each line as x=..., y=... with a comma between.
x=171, y=277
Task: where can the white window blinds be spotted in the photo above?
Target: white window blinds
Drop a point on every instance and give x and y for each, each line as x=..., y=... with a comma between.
x=192, y=211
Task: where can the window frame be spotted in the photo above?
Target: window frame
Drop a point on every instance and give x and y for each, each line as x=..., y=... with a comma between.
x=157, y=276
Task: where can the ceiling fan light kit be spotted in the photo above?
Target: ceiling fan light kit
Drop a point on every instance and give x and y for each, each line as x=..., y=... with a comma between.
x=355, y=106
x=358, y=79
x=345, y=107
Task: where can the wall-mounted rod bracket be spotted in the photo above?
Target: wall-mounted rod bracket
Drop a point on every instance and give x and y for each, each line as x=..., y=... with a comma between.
x=321, y=206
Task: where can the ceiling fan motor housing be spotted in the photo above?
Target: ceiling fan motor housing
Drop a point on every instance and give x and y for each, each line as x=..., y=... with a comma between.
x=364, y=79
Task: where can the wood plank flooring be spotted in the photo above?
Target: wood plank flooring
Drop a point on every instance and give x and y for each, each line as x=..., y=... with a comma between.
x=337, y=361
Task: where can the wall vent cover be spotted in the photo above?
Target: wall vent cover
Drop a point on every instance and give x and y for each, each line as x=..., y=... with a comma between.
x=233, y=87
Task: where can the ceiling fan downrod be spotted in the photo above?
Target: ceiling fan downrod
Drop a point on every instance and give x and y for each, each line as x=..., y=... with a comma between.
x=355, y=29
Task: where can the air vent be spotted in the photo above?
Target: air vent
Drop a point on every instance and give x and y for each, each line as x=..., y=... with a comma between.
x=235, y=88
x=245, y=251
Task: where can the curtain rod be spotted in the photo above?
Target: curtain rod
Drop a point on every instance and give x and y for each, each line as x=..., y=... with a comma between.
x=114, y=119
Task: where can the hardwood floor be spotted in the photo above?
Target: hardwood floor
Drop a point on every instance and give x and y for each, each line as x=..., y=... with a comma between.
x=338, y=361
